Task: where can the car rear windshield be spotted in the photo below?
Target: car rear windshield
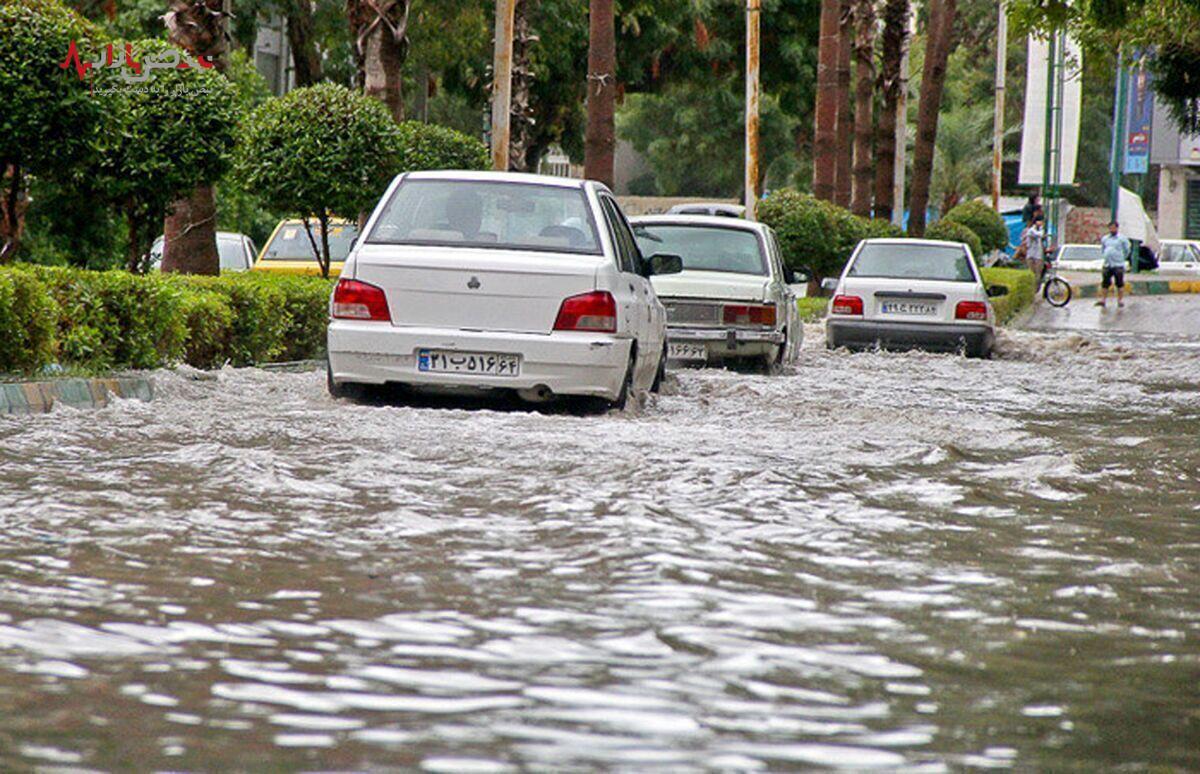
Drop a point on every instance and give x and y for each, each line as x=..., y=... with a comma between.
x=705, y=248
x=1081, y=253
x=231, y=252
x=502, y=215
x=291, y=243
x=926, y=262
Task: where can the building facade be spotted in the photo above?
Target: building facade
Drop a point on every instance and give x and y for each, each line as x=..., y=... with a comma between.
x=1178, y=155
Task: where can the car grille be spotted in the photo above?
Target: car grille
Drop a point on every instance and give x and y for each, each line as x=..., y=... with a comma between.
x=693, y=313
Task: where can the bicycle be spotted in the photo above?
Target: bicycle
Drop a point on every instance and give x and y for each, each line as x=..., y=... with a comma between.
x=1056, y=290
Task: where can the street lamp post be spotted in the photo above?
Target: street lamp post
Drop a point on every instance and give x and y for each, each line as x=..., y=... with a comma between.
x=998, y=118
x=753, y=12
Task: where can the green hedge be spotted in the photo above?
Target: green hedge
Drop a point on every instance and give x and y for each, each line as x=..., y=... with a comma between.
x=104, y=320
x=984, y=221
x=1020, y=284
x=815, y=234
x=950, y=231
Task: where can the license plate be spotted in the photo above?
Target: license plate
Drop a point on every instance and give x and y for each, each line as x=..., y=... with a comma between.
x=909, y=309
x=481, y=363
x=687, y=352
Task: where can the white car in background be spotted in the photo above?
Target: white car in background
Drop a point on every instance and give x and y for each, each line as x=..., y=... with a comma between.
x=484, y=281
x=733, y=299
x=912, y=293
x=1179, y=255
x=235, y=251
x=1079, y=258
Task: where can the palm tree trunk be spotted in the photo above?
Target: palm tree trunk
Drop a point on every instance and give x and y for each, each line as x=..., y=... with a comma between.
x=380, y=32
x=895, y=35
x=301, y=33
x=933, y=81
x=864, y=107
x=201, y=27
x=826, y=110
x=520, y=154
x=13, y=203
x=845, y=125
x=599, y=145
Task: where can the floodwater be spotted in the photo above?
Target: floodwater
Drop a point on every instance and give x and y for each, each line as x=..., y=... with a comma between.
x=878, y=560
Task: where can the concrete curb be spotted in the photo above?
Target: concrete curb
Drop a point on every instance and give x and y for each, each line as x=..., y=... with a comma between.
x=1145, y=288
x=40, y=397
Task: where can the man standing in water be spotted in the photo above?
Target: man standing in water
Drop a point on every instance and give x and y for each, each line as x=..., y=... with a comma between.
x=1115, y=248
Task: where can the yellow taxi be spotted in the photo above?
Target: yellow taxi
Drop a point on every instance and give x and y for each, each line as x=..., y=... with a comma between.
x=289, y=250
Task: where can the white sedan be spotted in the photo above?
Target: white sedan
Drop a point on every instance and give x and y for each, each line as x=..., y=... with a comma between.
x=1181, y=255
x=912, y=293
x=733, y=300
x=483, y=281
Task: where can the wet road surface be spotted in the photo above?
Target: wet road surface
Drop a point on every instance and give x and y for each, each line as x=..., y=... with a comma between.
x=892, y=560
x=1172, y=316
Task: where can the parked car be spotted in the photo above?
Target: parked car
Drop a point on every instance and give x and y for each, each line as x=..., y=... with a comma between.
x=290, y=251
x=1079, y=258
x=719, y=209
x=1178, y=255
x=236, y=251
x=912, y=293
x=497, y=281
x=733, y=299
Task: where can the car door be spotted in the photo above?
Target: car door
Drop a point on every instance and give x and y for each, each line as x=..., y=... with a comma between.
x=643, y=309
x=784, y=298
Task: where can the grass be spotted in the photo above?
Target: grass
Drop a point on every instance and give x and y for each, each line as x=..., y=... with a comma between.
x=812, y=308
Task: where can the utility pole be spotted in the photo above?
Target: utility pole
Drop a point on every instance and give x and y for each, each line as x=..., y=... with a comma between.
x=998, y=119
x=502, y=84
x=753, y=14
x=1118, y=135
x=901, y=164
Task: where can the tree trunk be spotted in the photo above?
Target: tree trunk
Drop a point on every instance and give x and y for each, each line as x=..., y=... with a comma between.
x=301, y=33
x=599, y=145
x=864, y=107
x=845, y=124
x=521, y=112
x=380, y=29
x=826, y=111
x=933, y=81
x=13, y=203
x=895, y=35
x=200, y=27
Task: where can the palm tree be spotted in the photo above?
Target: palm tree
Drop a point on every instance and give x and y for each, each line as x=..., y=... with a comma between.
x=380, y=30
x=894, y=40
x=845, y=122
x=599, y=144
x=933, y=82
x=864, y=106
x=200, y=27
x=962, y=162
x=826, y=111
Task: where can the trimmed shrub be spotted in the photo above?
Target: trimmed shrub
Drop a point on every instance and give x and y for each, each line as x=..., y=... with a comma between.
x=27, y=317
x=950, y=231
x=816, y=234
x=209, y=320
x=429, y=146
x=306, y=301
x=259, y=316
x=1021, y=288
x=984, y=221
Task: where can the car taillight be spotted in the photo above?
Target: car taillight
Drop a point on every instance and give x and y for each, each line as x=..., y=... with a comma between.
x=354, y=300
x=595, y=311
x=970, y=310
x=749, y=314
x=846, y=305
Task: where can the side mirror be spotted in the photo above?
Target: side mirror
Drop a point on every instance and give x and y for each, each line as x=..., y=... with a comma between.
x=995, y=291
x=830, y=283
x=663, y=263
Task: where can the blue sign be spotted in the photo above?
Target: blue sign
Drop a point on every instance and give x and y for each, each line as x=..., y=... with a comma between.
x=1139, y=120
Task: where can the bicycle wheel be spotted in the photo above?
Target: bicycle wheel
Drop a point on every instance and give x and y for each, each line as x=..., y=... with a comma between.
x=1057, y=292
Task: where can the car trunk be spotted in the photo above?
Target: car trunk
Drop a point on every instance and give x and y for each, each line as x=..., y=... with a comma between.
x=898, y=300
x=475, y=289
x=698, y=297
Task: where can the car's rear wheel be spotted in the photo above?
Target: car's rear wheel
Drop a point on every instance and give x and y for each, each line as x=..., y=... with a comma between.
x=771, y=363
x=627, y=383
x=661, y=373
x=341, y=389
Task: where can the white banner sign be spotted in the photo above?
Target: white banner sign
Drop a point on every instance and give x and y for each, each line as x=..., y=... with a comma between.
x=1033, y=134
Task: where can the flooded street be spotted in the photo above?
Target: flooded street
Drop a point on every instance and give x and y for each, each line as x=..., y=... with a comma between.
x=893, y=560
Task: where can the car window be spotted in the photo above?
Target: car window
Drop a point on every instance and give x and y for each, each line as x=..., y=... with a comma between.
x=706, y=248
x=291, y=243
x=900, y=261
x=231, y=252
x=499, y=215
x=1081, y=253
x=627, y=250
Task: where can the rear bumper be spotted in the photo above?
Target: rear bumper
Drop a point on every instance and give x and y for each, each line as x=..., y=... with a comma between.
x=728, y=342
x=936, y=337
x=566, y=363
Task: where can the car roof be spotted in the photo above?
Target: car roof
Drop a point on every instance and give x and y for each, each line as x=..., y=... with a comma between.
x=498, y=177
x=1179, y=241
x=711, y=221
x=1082, y=244
x=912, y=241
